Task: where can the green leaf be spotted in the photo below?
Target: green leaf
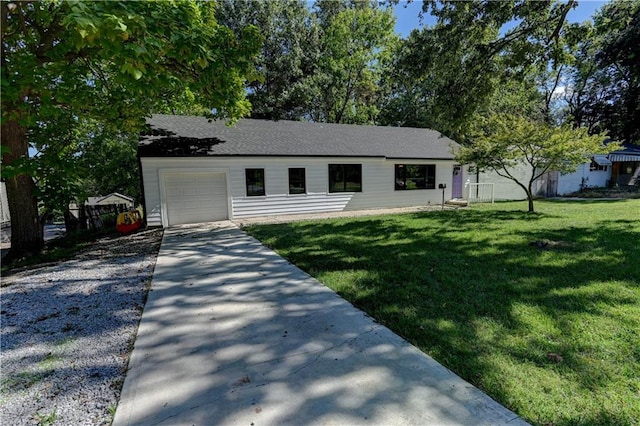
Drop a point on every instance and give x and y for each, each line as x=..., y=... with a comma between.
x=136, y=73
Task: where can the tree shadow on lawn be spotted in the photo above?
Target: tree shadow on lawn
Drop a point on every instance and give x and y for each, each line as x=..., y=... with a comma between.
x=467, y=298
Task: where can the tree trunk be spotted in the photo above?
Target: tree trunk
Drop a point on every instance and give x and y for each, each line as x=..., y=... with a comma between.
x=26, y=230
x=82, y=217
x=529, y=192
x=70, y=222
x=530, y=199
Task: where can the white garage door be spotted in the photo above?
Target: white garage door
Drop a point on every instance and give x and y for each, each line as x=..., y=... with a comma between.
x=196, y=197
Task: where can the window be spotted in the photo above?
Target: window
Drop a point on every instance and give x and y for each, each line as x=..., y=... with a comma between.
x=255, y=182
x=345, y=177
x=415, y=176
x=297, y=181
x=595, y=166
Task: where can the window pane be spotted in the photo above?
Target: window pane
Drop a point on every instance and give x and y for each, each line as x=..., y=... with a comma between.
x=345, y=177
x=401, y=181
x=415, y=176
x=297, y=181
x=430, y=182
x=255, y=182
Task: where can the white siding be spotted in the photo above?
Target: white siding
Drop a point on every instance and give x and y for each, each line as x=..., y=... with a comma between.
x=291, y=204
x=507, y=189
x=377, y=185
x=151, y=188
x=573, y=182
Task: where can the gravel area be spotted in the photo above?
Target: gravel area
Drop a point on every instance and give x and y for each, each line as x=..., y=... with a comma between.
x=67, y=331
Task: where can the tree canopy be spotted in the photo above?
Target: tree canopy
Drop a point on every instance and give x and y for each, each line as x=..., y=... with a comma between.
x=450, y=70
x=115, y=62
x=604, y=90
x=323, y=64
x=289, y=53
x=356, y=48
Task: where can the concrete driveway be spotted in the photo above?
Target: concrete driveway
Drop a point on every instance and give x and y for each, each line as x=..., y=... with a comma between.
x=234, y=334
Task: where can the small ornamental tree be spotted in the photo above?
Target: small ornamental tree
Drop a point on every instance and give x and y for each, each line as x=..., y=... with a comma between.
x=503, y=141
x=114, y=62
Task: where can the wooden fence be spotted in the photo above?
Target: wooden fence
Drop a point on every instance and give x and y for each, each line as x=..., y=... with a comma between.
x=96, y=216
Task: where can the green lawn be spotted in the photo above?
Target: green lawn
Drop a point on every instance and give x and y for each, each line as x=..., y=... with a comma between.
x=468, y=288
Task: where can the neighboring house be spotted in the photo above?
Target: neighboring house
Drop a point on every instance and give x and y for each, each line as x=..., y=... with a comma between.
x=594, y=174
x=103, y=200
x=196, y=170
x=620, y=168
x=106, y=200
x=5, y=218
x=625, y=170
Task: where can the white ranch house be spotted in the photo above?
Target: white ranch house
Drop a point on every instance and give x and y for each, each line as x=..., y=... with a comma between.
x=198, y=170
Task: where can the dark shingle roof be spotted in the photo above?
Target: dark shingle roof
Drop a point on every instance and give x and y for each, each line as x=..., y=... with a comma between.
x=172, y=135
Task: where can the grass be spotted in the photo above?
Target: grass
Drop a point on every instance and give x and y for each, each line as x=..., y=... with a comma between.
x=550, y=329
x=46, y=419
x=37, y=373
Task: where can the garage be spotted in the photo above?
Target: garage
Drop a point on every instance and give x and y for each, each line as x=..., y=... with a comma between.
x=195, y=197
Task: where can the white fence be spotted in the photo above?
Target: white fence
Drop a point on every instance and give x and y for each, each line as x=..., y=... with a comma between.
x=479, y=192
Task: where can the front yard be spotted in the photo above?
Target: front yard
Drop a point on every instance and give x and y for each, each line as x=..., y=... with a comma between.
x=541, y=311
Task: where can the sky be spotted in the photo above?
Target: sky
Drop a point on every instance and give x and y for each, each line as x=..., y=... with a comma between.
x=407, y=14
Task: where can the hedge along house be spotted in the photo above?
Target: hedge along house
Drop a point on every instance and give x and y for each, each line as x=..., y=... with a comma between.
x=198, y=170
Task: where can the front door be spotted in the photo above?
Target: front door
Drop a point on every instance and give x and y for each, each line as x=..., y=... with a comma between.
x=456, y=187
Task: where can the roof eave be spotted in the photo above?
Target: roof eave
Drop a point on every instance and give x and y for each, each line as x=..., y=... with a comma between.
x=299, y=156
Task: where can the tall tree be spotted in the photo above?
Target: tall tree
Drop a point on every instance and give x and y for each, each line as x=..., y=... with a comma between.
x=469, y=52
x=518, y=97
x=358, y=39
x=108, y=160
x=55, y=167
x=582, y=90
x=430, y=87
x=324, y=64
x=113, y=61
x=605, y=90
x=289, y=53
